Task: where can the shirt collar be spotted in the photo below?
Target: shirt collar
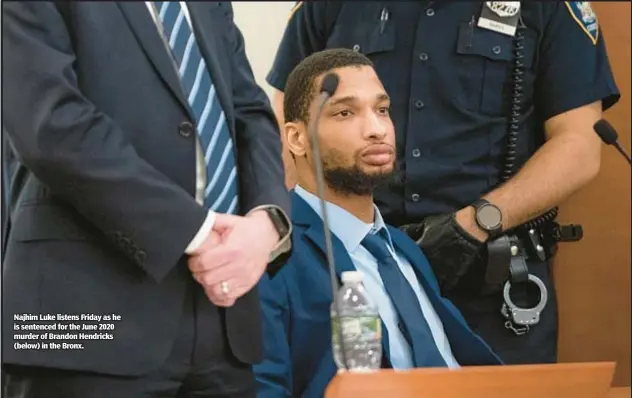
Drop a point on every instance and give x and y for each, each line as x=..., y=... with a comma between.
x=349, y=229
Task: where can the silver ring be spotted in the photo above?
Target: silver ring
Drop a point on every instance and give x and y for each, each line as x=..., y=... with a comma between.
x=225, y=287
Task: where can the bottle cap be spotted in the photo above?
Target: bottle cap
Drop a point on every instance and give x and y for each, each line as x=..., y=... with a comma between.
x=351, y=277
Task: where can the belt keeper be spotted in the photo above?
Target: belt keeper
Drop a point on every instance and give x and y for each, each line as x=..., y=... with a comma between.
x=498, y=258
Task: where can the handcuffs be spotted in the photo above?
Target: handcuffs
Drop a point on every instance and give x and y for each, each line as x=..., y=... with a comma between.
x=508, y=249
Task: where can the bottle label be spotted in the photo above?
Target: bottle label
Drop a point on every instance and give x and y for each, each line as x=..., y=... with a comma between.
x=363, y=328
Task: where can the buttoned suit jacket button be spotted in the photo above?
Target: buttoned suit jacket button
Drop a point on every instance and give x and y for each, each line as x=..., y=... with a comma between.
x=186, y=129
x=140, y=256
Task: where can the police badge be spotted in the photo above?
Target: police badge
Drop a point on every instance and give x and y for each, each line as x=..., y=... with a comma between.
x=500, y=16
x=504, y=8
x=583, y=14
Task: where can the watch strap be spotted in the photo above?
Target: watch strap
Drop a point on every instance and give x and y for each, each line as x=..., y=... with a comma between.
x=283, y=225
x=478, y=203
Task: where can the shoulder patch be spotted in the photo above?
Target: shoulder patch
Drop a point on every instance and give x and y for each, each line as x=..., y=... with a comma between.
x=583, y=14
x=294, y=9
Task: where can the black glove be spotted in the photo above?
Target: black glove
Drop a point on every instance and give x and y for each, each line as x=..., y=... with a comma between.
x=449, y=248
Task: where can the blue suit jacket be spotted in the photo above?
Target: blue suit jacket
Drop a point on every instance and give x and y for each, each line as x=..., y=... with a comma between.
x=297, y=333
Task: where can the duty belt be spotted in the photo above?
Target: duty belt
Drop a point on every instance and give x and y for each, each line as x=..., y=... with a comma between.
x=507, y=266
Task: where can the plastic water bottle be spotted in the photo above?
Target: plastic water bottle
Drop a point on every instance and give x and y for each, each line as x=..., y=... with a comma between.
x=361, y=327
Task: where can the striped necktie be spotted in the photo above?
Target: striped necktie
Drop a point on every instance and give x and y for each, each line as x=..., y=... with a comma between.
x=221, y=182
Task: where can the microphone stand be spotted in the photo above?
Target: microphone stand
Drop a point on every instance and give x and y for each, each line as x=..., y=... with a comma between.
x=320, y=182
x=609, y=136
x=622, y=152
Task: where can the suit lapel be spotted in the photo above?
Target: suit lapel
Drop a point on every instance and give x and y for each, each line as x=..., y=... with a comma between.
x=342, y=260
x=304, y=215
x=146, y=33
x=207, y=39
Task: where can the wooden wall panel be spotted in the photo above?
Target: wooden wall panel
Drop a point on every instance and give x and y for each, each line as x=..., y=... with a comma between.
x=593, y=275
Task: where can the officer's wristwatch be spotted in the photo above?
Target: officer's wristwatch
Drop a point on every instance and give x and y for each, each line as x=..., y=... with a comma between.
x=488, y=217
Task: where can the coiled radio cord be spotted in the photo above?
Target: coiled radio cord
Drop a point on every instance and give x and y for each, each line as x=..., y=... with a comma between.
x=517, y=94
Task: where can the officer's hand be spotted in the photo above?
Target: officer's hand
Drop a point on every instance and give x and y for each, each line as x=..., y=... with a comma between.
x=466, y=218
x=450, y=249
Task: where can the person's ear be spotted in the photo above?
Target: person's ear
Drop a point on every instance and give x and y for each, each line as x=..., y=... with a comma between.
x=296, y=138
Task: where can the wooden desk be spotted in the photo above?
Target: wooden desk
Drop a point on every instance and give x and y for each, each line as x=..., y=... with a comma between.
x=569, y=380
x=620, y=392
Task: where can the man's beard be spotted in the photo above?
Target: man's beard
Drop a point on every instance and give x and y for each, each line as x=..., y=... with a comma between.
x=352, y=180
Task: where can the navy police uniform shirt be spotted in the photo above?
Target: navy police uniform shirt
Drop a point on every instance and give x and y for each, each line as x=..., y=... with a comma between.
x=451, y=83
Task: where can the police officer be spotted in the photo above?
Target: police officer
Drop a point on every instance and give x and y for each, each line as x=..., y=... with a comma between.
x=493, y=104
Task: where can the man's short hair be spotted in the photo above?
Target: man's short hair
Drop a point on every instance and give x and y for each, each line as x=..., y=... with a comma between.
x=299, y=89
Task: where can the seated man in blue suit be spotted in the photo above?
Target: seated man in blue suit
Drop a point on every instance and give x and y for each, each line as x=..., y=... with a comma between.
x=420, y=328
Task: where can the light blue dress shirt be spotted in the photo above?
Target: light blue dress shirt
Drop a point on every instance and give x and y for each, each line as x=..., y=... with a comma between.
x=351, y=231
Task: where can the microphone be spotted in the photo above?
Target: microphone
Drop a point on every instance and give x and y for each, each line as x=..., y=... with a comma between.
x=327, y=90
x=609, y=136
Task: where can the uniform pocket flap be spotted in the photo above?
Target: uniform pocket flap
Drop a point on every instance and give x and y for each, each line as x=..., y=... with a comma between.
x=477, y=41
x=367, y=37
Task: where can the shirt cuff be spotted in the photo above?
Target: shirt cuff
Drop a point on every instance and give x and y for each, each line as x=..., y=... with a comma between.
x=202, y=233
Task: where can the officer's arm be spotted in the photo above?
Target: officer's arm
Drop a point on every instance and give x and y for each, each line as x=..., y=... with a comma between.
x=306, y=33
x=574, y=85
x=274, y=373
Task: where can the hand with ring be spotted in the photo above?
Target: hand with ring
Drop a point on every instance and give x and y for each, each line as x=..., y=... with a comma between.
x=231, y=267
x=220, y=293
x=225, y=287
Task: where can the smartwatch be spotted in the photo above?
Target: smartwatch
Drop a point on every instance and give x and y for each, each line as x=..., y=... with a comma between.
x=280, y=256
x=488, y=217
x=278, y=220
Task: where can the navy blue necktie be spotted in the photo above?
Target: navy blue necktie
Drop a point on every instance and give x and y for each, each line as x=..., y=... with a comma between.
x=220, y=193
x=417, y=332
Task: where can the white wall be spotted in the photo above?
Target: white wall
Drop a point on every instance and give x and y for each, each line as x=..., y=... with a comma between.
x=262, y=24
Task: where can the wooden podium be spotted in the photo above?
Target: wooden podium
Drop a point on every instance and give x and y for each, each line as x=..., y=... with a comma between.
x=576, y=380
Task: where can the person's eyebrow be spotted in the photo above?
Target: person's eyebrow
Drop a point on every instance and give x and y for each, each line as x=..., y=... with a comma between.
x=383, y=97
x=343, y=100
x=352, y=98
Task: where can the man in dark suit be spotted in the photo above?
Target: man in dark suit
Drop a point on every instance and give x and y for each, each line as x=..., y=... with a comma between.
x=420, y=328
x=154, y=200
x=9, y=177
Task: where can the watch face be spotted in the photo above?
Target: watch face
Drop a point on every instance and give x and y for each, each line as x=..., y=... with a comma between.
x=489, y=217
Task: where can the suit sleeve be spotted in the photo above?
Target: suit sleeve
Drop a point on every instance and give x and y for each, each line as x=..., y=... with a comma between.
x=306, y=32
x=84, y=158
x=274, y=373
x=574, y=69
x=261, y=172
